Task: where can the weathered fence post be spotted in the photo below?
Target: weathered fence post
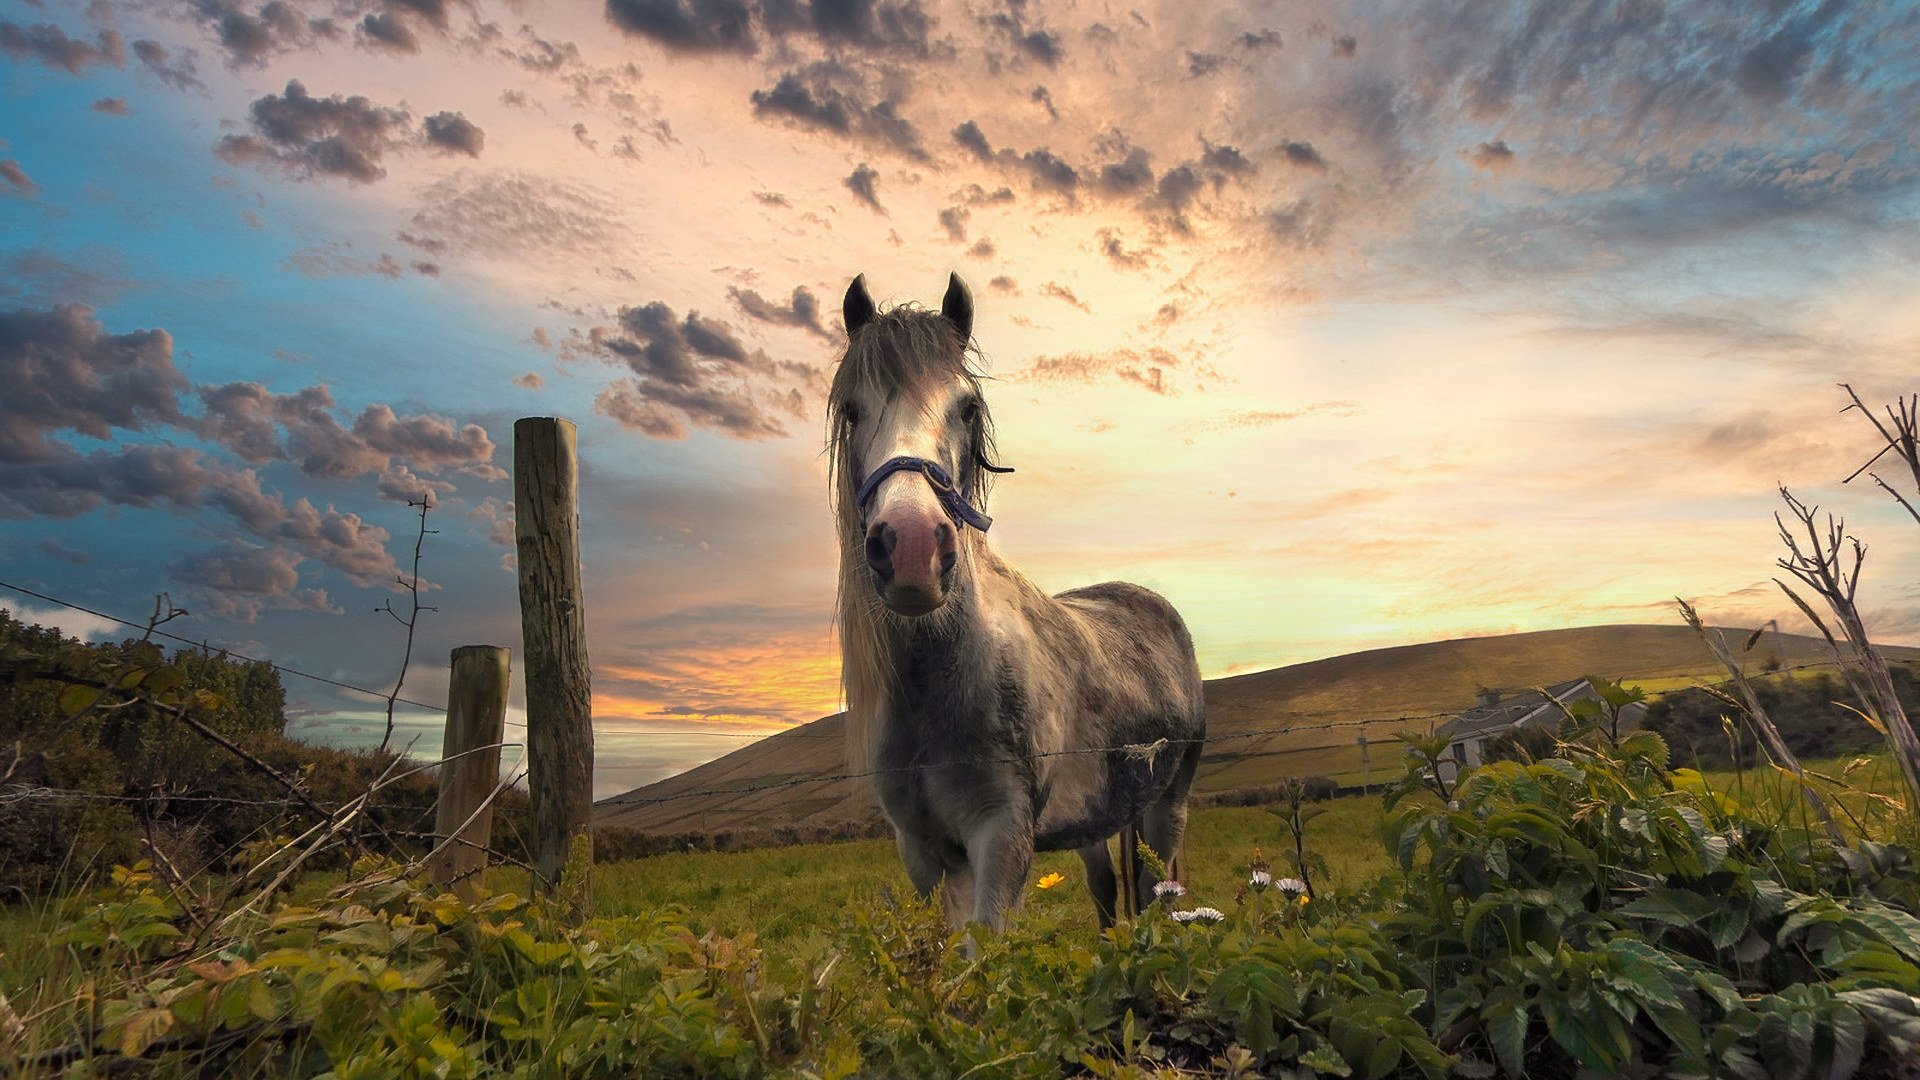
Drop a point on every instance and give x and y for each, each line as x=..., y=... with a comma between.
x=546, y=491
x=470, y=764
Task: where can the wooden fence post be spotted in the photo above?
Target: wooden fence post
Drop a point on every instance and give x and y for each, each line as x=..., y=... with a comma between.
x=470, y=764
x=546, y=513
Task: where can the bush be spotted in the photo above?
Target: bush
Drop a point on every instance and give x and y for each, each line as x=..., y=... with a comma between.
x=1807, y=711
x=1590, y=913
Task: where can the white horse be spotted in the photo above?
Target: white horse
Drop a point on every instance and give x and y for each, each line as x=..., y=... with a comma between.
x=999, y=720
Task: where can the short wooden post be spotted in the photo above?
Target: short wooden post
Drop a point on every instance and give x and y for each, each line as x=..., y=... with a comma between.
x=546, y=494
x=470, y=765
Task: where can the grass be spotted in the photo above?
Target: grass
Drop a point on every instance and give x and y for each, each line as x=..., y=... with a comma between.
x=784, y=894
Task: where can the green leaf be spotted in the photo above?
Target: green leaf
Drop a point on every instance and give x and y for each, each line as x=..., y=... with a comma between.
x=1507, y=1031
x=144, y=1027
x=75, y=700
x=1891, y=925
x=1894, y=1013
x=1675, y=907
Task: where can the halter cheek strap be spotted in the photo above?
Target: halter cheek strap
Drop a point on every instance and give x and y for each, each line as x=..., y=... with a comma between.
x=957, y=503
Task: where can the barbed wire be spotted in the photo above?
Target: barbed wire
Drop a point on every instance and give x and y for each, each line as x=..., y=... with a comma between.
x=1145, y=750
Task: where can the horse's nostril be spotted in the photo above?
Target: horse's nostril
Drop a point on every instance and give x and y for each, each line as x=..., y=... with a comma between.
x=943, y=536
x=948, y=561
x=881, y=540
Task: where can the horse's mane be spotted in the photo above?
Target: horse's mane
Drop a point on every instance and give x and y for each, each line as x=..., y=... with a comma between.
x=902, y=354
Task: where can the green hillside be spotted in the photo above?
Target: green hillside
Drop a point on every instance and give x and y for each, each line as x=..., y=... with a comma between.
x=1262, y=727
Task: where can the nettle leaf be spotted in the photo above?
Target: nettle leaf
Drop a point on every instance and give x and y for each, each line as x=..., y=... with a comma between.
x=1896, y=1014
x=1891, y=925
x=1507, y=1032
x=1675, y=907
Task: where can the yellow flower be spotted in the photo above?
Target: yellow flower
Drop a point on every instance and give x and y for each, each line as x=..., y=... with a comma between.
x=1303, y=899
x=1050, y=881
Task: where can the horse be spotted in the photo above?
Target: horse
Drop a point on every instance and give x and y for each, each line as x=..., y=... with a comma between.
x=995, y=720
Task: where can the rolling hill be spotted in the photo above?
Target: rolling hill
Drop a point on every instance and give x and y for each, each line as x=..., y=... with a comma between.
x=1261, y=727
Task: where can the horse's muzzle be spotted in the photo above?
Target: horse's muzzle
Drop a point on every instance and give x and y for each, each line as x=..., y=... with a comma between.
x=913, y=561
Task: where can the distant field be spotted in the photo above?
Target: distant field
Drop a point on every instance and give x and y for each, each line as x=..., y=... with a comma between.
x=786, y=894
x=1299, y=720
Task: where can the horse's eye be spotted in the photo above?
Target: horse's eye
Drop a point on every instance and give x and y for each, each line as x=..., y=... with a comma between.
x=970, y=411
x=849, y=414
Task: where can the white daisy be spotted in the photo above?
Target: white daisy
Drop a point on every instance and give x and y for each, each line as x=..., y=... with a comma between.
x=1169, y=887
x=1292, y=886
x=1199, y=914
x=1260, y=880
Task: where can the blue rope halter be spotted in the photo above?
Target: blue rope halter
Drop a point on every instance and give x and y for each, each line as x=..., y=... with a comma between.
x=958, y=504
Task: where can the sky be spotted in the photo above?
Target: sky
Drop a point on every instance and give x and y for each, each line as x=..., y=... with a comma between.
x=1342, y=325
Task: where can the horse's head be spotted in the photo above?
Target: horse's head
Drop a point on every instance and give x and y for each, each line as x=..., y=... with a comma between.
x=909, y=437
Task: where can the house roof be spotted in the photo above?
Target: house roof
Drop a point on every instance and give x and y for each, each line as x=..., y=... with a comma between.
x=1520, y=710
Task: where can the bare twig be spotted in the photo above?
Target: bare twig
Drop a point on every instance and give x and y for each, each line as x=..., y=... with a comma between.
x=412, y=585
x=1776, y=744
x=1819, y=567
x=1901, y=433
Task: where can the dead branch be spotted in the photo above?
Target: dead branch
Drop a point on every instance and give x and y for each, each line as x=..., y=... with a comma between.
x=412, y=585
x=1763, y=724
x=1901, y=433
x=1819, y=567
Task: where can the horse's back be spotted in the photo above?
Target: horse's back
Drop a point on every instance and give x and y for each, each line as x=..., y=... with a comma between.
x=1142, y=634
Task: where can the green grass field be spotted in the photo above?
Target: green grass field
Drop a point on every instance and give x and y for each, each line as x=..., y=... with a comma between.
x=783, y=894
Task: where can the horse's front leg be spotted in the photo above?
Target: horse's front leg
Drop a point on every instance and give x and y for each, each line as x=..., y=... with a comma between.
x=1000, y=852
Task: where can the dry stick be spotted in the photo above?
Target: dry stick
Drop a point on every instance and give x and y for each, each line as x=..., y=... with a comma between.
x=1903, y=439
x=1820, y=570
x=413, y=617
x=1762, y=723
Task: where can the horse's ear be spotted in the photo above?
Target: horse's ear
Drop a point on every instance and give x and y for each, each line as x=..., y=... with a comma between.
x=858, y=308
x=957, y=306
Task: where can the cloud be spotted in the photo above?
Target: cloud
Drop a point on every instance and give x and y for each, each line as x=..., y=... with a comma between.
x=66, y=373
x=862, y=182
x=529, y=381
x=1301, y=224
x=180, y=74
x=1062, y=293
x=802, y=310
x=238, y=580
x=335, y=260
x=954, y=220
x=1119, y=255
x=1236, y=419
x=1494, y=155
x=835, y=98
x=74, y=624
x=253, y=38
x=51, y=46
x=697, y=27
x=1200, y=65
x=18, y=182
x=454, y=133
x=1152, y=369
x=693, y=371
x=304, y=428
x=971, y=139
x=1302, y=155
x=70, y=377
x=110, y=106
x=64, y=553
x=513, y=215
x=306, y=136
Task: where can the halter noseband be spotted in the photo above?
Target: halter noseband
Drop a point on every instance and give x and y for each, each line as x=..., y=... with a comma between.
x=958, y=504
